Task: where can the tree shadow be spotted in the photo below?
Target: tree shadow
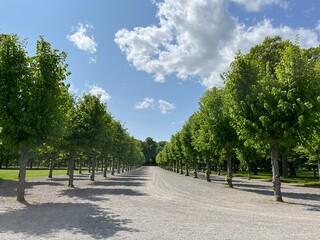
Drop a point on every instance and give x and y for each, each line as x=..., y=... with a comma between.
x=127, y=179
x=301, y=196
x=66, y=179
x=50, y=218
x=8, y=188
x=118, y=183
x=98, y=194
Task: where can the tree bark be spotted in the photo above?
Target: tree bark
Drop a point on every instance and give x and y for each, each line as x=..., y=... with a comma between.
x=52, y=162
x=93, y=170
x=118, y=167
x=187, y=167
x=24, y=154
x=71, y=168
x=181, y=168
x=208, y=169
x=112, y=168
x=105, y=167
x=80, y=165
x=275, y=171
x=195, y=172
x=319, y=167
x=249, y=171
x=123, y=166
x=229, y=167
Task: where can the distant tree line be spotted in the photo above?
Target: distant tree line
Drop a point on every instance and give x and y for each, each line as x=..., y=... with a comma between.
x=41, y=122
x=266, y=117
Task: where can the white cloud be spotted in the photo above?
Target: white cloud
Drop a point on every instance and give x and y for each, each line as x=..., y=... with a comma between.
x=257, y=5
x=165, y=106
x=146, y=103
x=81, y=40
x=198, y=39
x=98, y=91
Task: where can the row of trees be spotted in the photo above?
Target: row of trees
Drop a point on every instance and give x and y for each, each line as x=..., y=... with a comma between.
x=268, y=110
x=37, y=113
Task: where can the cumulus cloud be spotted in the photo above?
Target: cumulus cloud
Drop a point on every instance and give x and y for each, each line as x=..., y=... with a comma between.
x=99, y=91
x=146, y=103
x=199, y=39
x=165, y=106
x=83, y=41
x=257, y=5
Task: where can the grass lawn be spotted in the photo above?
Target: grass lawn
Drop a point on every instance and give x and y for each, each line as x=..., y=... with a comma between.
x=305, y=178
x=12, y=174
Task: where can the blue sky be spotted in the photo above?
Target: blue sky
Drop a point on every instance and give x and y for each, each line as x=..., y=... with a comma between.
x=152, y=60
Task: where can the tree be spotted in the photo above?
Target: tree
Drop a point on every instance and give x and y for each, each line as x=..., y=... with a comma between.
x=94, y=125
x=149, y=149
x=29, y=91
x=274, y=100
x=223, y=137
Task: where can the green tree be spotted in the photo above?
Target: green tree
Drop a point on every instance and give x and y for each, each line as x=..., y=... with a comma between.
x=217, y=123
x=149, y=149
x=274, y=103
x=29, y=91
x=94, y=126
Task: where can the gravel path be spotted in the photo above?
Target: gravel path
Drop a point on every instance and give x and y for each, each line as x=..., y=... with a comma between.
x=151, y=203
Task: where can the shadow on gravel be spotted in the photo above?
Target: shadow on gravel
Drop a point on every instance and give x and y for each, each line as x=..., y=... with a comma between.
x=98, y=194
x=128, y=179
x=129, y=183
x=8, y=188
x=302, y=196
x=66, y=179
x=40, y=220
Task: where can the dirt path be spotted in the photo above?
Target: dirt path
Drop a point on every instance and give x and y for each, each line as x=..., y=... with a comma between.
x=151, y=203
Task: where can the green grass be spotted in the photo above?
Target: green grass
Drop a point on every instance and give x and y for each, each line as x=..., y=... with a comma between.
x=12, y=174
x=304, y=178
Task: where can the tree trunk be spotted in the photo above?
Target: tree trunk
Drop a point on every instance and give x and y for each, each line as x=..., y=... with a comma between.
x=249, y=171
x=275, y=171
x=94, y=160
x=123, y=166
x=53, y=159
x=105, y=167
x=71, y=168
x=80, y=165
x=97, y=165
x=177, y=167
x=208, y=169
x=195, y=172
x=118, y=167
x=187, y=167
x=112, y=168
x=181, y=168
x=24, y=154
x=229, y=167
x=319, y=168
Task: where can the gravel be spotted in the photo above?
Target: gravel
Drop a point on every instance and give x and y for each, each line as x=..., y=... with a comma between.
x=151, y=203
